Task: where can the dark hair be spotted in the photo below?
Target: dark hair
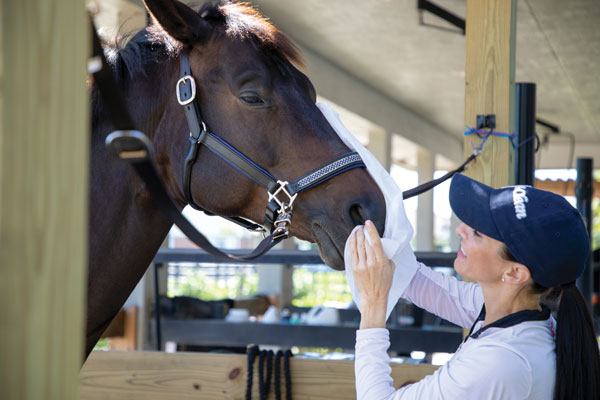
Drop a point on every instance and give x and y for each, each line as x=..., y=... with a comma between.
x=577, y=351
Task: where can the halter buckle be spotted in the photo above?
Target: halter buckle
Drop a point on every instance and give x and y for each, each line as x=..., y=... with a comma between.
x=283, y=207
x=180, y=82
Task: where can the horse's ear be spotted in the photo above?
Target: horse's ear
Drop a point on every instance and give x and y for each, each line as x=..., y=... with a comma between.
x=178, y=20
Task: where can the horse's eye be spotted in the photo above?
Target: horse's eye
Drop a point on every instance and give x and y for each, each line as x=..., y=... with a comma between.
x=252, y=99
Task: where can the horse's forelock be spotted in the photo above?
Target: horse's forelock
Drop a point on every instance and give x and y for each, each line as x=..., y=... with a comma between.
x=243, y=21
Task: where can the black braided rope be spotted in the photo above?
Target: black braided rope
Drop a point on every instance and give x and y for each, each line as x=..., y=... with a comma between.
x=264, y=379
x=261, y=375
x=252, y=352
x=270, y=356
x=267, y=382
x=287, y=374
x=277, y=382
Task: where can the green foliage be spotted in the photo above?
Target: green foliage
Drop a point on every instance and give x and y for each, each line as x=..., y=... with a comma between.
x=102, y=345
x=596, y=216
x=595, y=223
x=322, y=351
x=317, y=288
x=312, y=287
x=197, y=283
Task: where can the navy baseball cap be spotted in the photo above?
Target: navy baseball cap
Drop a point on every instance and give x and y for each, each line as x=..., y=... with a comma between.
x=540, y=229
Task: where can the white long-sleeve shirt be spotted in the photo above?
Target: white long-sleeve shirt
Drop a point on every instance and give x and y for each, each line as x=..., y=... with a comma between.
x=513, y=362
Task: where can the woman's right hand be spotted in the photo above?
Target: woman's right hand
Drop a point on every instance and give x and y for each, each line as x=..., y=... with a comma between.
x=373, y=273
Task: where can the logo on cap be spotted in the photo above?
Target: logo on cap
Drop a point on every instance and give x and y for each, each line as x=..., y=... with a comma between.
x=519, y=200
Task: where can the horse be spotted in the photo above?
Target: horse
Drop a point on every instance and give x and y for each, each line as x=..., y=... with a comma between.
x=253, y=94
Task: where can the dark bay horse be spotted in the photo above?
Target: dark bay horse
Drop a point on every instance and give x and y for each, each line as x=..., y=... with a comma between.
x=250, y=94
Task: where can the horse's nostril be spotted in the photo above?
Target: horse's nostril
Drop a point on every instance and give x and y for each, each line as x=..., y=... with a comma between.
x=360, y=211
x=355, y=215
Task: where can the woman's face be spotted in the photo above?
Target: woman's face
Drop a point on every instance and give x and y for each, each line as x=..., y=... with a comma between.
x=479, y=257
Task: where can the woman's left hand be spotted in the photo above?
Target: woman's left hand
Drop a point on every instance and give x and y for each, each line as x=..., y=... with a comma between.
x=373, y=273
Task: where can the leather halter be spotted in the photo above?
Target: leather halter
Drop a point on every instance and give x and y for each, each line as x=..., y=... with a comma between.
x=279, y=211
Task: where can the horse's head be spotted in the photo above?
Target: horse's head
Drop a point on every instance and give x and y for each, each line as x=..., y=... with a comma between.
x=252, y=96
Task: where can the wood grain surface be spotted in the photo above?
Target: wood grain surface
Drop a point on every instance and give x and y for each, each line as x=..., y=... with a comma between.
x=153, y=375
x=44, y=141
x=489, y=86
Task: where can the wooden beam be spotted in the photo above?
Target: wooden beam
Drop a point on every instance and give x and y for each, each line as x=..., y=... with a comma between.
x=44, y=141
x=153, y=375
x=489, y=85
x=564, y=188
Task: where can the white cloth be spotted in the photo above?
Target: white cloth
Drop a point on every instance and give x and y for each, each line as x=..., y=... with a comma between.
x=398, y=230
x=517, y=362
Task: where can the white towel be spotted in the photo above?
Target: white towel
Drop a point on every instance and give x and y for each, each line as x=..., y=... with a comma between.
x=398, y=230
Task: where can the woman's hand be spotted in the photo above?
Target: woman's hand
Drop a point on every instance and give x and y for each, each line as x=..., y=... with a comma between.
x=373, y=273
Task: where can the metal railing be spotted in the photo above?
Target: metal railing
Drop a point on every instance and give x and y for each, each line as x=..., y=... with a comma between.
x=220, y=333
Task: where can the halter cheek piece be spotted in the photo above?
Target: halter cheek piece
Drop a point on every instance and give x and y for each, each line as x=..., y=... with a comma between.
x=281, y=194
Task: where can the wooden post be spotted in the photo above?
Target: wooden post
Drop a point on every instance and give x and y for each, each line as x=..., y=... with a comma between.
x=489, y=85
x=277, y=280
x=424, y=231
x=380, y=144
x=44, y=141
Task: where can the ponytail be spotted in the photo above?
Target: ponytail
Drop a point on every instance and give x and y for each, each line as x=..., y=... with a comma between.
x=577, y=351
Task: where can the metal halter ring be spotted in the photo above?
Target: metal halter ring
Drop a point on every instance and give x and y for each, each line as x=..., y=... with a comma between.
x=200, y=137
x=182, y=82
x=273, y=196
x=260, y=229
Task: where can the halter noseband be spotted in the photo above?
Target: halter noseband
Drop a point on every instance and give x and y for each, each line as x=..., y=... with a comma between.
x=282, y=194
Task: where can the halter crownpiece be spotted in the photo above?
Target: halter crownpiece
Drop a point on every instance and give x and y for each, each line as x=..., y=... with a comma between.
x=281, y=194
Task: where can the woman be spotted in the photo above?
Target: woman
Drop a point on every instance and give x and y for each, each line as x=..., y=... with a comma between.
x=518, y=243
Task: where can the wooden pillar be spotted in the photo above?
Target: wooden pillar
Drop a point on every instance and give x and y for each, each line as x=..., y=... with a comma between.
x=454, y=238
x=489, y=85
x=44, y=145
x=278, y=279
x=380, y=144
x=424, y=229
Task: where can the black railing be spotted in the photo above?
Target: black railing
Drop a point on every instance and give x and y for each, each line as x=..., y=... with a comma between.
x=214, y=332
